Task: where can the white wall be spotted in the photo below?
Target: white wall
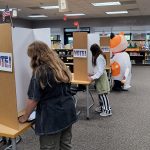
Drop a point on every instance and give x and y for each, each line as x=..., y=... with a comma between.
x=58, y=31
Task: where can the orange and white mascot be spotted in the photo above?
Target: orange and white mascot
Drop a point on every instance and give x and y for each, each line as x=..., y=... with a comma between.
x=120, y=62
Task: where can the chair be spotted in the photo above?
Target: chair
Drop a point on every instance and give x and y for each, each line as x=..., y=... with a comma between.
x=82, y=88
x=6, y=142
x=74, y=91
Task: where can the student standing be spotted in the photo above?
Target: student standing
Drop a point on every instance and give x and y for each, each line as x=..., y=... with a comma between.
x=101, y=80
x=49, y=93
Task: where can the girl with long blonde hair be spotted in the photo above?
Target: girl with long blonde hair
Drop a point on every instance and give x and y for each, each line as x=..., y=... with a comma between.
x=49, y=92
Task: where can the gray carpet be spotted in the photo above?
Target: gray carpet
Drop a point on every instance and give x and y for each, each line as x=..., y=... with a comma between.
x=127, y=129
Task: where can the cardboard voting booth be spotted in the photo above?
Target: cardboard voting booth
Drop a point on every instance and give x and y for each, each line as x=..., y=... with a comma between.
x=105, y=46
x=80, y=56
x=15, y=71
x=82, y=42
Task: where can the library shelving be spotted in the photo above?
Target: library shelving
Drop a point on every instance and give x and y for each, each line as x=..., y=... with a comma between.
x=139, y=56
x=147, y=58
x=66, y=55
x=139, y=48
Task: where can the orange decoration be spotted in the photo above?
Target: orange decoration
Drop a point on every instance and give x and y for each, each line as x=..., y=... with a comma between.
x=115, y=67
x=65, y=18
x=76, y=23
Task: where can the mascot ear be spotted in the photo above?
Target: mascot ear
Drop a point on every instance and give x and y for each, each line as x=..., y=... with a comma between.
x=121, y=33
x=112, y=35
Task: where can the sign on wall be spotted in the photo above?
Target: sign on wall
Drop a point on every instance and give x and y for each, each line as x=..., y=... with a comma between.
x=80, y=53
x=5, y=62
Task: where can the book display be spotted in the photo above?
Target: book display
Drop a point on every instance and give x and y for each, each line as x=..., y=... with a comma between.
x=139, y=48
x=66, y=55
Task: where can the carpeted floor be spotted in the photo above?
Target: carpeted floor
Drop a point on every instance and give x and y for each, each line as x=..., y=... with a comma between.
x=127, y=129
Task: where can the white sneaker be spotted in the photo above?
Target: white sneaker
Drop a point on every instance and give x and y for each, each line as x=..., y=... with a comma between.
x=104, y=114
x=98, y=109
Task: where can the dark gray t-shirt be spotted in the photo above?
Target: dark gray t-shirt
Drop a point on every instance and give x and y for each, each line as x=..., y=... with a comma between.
x=55, y=109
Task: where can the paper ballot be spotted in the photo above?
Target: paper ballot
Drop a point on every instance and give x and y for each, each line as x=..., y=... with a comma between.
x=32, y=116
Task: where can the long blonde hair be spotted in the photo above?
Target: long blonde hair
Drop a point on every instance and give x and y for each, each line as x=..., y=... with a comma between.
x=41, y=55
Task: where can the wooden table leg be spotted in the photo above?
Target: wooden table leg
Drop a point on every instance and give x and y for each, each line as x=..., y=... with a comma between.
x=87, y=102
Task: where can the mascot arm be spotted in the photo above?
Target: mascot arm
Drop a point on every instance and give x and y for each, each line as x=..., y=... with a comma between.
x=125, y=75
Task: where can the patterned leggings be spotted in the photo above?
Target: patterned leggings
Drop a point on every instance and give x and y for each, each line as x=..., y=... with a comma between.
x=104, y=103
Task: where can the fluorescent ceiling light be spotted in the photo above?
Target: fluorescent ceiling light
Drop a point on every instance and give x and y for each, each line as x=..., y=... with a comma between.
x=106, y=4
x=10, y=9
x=74, y=14
x=4, y=9
x=49, y=7
x=37, y=16
x=116, y=12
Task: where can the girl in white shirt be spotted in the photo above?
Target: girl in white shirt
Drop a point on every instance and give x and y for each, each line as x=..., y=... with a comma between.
x=101, y=80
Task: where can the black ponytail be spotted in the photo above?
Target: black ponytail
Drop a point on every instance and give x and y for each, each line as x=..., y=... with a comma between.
x=112, y=35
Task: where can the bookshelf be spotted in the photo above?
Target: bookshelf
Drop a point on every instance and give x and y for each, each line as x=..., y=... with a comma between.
x=139, y=48
x=66, y=55
x=140, y=57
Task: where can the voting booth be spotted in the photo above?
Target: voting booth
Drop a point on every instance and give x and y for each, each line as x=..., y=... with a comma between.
x=15, y=71
x=80, y=56
x=105, y=46
x=82, y=42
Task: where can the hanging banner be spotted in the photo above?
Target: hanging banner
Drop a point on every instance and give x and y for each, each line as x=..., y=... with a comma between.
x=5, y=62
x=80, y=53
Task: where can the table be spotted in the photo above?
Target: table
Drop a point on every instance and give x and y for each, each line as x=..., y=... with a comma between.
x=8, y=132
x=86, y=83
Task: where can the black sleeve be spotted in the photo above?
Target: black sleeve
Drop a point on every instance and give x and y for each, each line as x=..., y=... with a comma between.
x=34, y=90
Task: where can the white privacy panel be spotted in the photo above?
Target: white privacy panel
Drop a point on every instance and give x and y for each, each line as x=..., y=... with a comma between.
x=43, y=35
x=92, y=38
x=21, y=37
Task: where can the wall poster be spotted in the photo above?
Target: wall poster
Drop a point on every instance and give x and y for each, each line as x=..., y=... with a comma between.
x=6, y=62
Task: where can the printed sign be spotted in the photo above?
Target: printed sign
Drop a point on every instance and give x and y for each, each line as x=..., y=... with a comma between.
x=81, y=53
x=5, y=62
x=105, y=48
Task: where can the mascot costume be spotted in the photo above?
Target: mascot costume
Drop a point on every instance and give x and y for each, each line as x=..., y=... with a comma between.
x=120, y=62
